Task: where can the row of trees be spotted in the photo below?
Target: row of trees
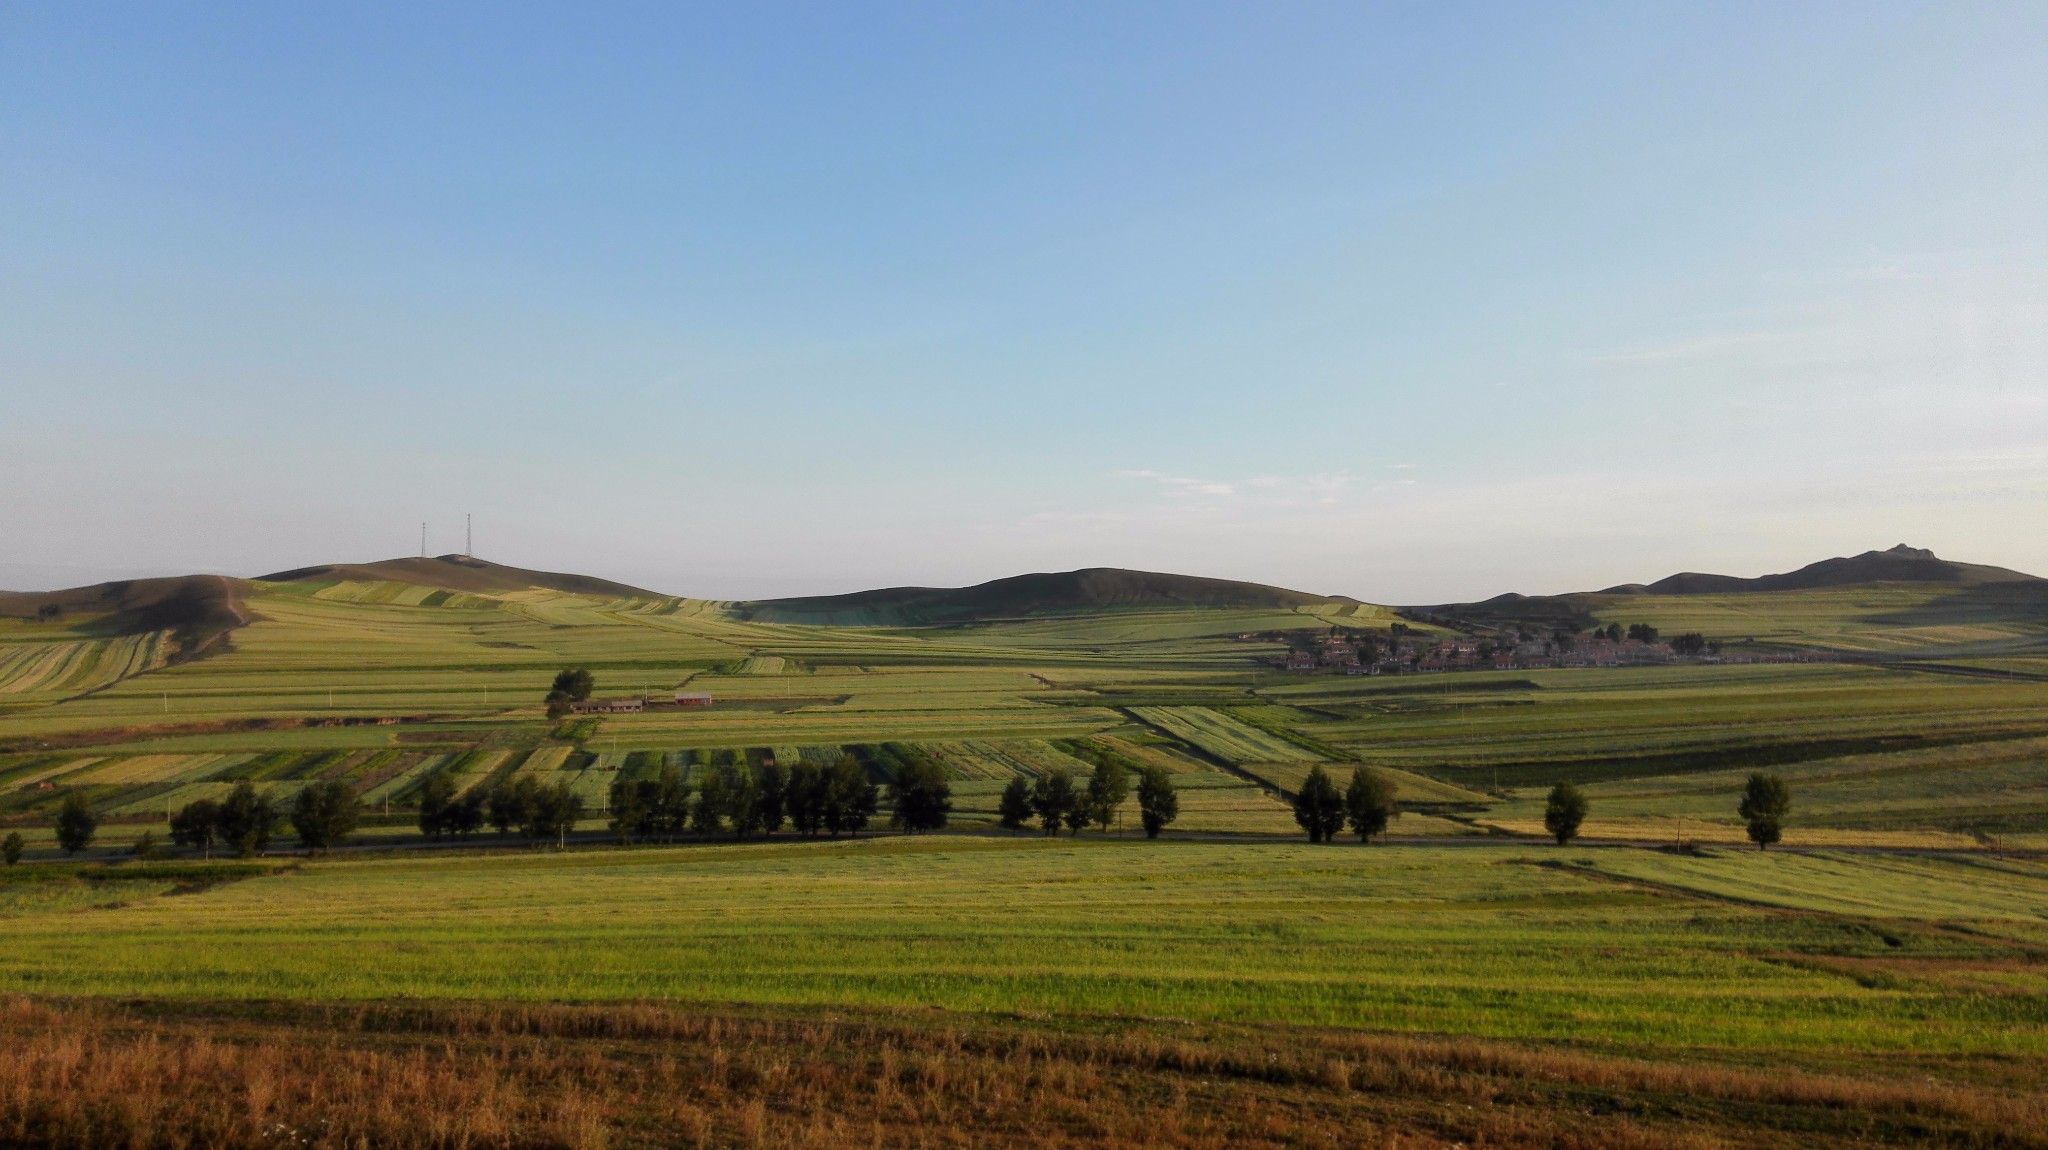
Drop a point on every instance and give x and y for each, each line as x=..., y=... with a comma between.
x=1367, y=805
x=834, y=798
x=1056, y=801
x=321, y=814
x=1766, y=800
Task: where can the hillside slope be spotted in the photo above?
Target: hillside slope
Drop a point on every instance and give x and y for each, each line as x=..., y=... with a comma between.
x=195, y=609
x=460, y=573
x=1019, y=596
x=1900, y=564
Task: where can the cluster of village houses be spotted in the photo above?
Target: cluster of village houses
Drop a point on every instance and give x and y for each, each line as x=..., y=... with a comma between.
x=1394, y=656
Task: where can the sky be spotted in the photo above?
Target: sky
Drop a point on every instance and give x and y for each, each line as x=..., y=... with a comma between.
x=1416, y=302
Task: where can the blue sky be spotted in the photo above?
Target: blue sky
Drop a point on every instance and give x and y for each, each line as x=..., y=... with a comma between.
x=1412, y=302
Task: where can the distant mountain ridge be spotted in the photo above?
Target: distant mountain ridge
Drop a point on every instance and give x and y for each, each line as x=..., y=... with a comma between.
x=461, y=573
x=1900, y=564
x=1019, y=596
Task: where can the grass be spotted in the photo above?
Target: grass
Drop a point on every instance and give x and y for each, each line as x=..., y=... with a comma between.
x=1397, y=939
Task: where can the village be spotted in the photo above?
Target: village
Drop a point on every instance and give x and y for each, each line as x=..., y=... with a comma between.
x=1400, y=651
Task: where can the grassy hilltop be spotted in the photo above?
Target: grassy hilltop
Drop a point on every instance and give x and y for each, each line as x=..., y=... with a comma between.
x=1226, y=985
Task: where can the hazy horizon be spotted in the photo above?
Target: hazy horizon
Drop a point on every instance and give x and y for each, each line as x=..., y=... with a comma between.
x=1412, y=303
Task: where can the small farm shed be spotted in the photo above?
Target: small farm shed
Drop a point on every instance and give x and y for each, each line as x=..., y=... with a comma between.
x=693, y=698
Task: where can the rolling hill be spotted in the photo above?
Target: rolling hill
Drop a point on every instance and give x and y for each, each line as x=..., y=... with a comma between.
x=195, y=609
x=460, y=573
x=1022, y=596
x=1900, y=564
x=1904, y=601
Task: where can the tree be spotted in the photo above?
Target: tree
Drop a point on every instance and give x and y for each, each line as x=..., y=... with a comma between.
x=709, y=815
x=1158, y=805
x=324, y=814
x=1369, y=803
x=1318, y=807
x=919, y=795
x=850, y=799
x=437, y=795
x=571, y=686
x=742, y=799
x=1107, y=789
x=1564, y=812
x=197, y=825
x=144, y=845
x=1613, y=632
x=76, y=824
x=552, y=813
x=773, y=785
x=1690, y=643
x=1765, y=803
x=1642, y=632
x=10, y=848
x=510, y=803
x=1052, y=797
x=804, y=798
x=247, y=818
x=465, y=815
x=574, y=683
x=1014, y=808
x=630, y=811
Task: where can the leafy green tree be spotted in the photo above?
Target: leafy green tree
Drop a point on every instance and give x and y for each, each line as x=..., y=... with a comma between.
x=630, y=807
x=76, y=824
x=1318, y=806
x=575, y=683
x=1054, y=799
x=804, y=798
x=11, y=847
x=247, y=820
x=1564, y=812
x=465, y=816
x=742, y=799
x=1642, y=632
x=552, y=813
x=324, y=814
x=713, y=799
x=1690, y=643
x=510, y=803
x=197, y=826
x=773, y=780
x=850, y=799
x=1108, y=787
x=1014, y=809
x=919, y=796
x=437, y=795
x=669, y=804
x=1369, y=803
x=1158, y=804
x=1765, y=803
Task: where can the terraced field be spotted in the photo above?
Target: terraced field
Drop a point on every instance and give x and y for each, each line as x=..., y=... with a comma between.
x=33, y=671
x=1222, y=736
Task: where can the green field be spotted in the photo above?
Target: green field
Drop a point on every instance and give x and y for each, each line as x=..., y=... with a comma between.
x=1479, y=984
x=1492, y=941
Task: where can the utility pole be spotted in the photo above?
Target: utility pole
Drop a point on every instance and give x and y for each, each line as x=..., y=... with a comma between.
x=468, y=538
x=423, y=539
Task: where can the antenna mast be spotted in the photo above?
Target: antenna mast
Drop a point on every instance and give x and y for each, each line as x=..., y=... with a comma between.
x=468, y=538
x=423, y=539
